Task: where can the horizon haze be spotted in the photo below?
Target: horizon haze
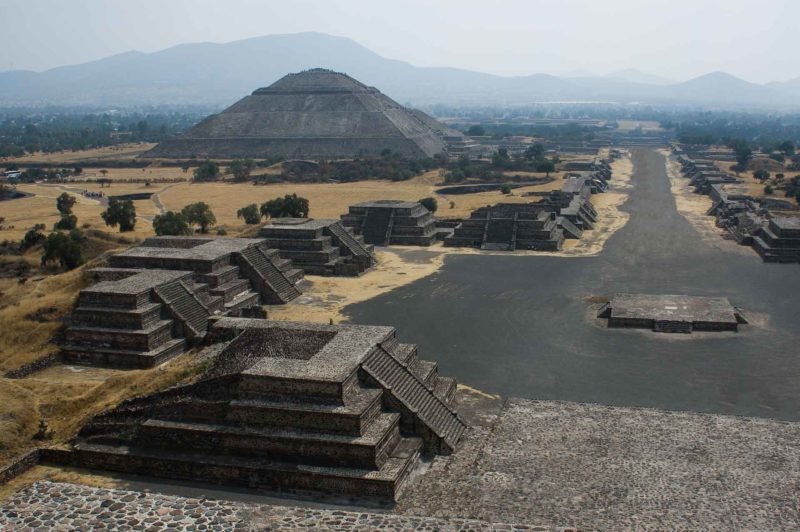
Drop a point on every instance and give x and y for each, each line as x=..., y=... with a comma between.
x=677, y=40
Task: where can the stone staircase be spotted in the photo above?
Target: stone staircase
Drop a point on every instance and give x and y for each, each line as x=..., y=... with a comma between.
x=499, y=234
x=354, y=245
x=185, y=308
x=376, y=226
x=672, y=326
x=411, y=387
x=264, y=271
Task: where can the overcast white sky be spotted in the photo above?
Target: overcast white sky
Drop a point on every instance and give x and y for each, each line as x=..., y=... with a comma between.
x=757, y=40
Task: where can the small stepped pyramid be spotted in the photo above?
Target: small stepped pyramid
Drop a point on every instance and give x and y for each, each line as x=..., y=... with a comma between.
x=126, y=323
x=286, y=406
x=180, y=283
x=319, y=247
x=508, y=227
x=391, y=222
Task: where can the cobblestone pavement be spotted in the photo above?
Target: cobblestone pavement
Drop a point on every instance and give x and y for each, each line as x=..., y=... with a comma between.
x=56, y=506
x=599, y=467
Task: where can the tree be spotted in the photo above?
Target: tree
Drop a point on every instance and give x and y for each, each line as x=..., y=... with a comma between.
x=67, y=222
x=742, y=151
x=199, y=214
x=430, y=203
x=32, y=237
x=505, y=189
x=251, y=214
x=207, y=171
x=787, y=147
x=289, y=206
x=501, y=159
x=546, y=167
x=476, y=131
x=120, y=212
x=64, y=203
x=454, y=176
x=762, y=175
x=60, y=247
x=171, y=223
x=241, y=168
x=104, y=172
x=535, y=152
x=768, y=190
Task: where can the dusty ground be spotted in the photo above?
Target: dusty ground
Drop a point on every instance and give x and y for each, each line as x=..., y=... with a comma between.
x=694, y=207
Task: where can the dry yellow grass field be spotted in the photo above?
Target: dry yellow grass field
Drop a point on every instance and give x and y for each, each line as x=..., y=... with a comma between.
x=24, y=213
x=121, y=151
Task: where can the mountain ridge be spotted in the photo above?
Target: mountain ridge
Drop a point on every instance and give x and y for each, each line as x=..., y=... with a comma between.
x=208, y=73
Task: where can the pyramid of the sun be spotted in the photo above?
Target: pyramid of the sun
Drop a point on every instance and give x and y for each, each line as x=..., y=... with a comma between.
x=312, y=114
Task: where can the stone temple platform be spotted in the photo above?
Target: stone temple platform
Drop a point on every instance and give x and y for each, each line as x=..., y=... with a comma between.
x=319, y=246
x=386, y=222
x=157, y=299
x=286, y=406
x=672, y=313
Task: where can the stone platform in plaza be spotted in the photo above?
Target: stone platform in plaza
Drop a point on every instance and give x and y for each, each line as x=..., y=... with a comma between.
x=672, y=313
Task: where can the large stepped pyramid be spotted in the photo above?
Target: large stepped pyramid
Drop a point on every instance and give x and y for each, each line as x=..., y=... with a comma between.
x=319, y=246
x=315, y=114
x=156, y=299
x=286, y=406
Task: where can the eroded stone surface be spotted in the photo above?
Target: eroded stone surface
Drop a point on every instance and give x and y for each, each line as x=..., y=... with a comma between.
x=599, y=467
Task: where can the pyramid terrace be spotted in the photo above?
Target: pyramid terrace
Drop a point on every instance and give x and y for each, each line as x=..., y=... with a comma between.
x=319, y=247
x=155, y=300
x=286, y=406
x=392, y=222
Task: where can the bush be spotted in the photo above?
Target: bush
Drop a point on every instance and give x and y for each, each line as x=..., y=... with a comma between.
x=430, y=203
x=171, y=223
x=768, y=190
x=505, y=189
x=250, y=214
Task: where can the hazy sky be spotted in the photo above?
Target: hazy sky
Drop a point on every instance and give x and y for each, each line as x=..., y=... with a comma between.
x=678, y=39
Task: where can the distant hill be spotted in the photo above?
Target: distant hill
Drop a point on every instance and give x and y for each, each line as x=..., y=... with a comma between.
x=219, y=74
x=637, y=76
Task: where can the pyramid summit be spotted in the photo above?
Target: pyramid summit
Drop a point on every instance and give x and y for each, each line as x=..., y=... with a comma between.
x=316, y=113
